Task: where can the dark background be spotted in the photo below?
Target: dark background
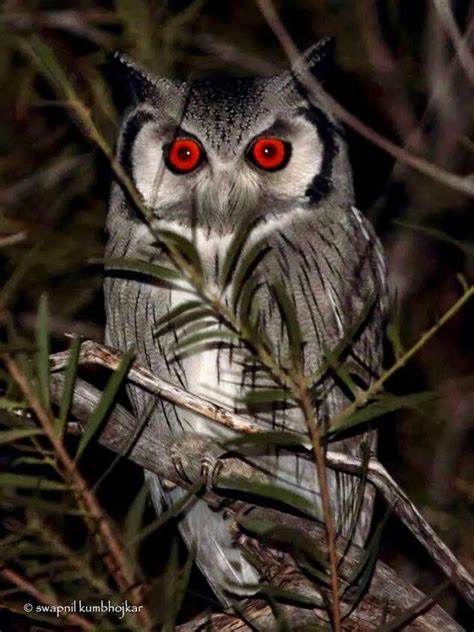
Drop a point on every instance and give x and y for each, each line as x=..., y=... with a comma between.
x=396, y=69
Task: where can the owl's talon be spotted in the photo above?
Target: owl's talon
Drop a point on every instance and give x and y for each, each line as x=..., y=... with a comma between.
x=178, y=463
x=210, y=470
x=167, y=485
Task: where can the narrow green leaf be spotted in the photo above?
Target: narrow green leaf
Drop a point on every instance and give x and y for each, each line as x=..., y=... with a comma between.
x=185, y=247
x=234, y=251
x=271, y=492
x=42, y=354
x=283, y=595
x=302, y=548
x=26, y=481
x=244, y=271
x=290, y=319
x=268, y=439
x=11, y=404
x=381, y=406
x=189, y=317
x=10, y=436
x=208, y=337
x=347, y=341
x=127, y=264
x=69, y=383
x=167, y=515
x=363, y=572
x=182, y=583
x=106, y=401
x=266, y=395
x=134, y=518
x=46, y=61
x=178, y=311
x=44, y=506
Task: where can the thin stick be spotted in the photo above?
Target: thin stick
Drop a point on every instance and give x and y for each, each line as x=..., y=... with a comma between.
x=465, y=185
x=315, y=434
x=95, y=353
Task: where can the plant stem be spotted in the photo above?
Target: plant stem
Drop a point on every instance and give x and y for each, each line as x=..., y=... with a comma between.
x=116, y=559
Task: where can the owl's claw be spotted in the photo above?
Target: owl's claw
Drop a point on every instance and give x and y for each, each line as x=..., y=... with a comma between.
x=178, y=463
x=211, y=467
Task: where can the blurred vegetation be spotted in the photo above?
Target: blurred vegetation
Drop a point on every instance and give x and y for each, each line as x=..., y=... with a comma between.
x=397, y=69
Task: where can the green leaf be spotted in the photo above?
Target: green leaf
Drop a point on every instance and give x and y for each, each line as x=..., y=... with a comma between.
x=271, y=492
x=44, y=506
x=282, y=537
x=283, y=595
x=171, y=588
x=69, y=383
x=42, y=354
x=266, y=395
x=134, y=518
x=46, y=61
x=11, y=404
x=175, y=509
x=9, y=436
x=269, y=438
x=197, y=318
x=234, y=251
x=346, y=342
x=290, y=318
x=363, y=572
x=207, y=337
x=127, y=264
x=185, y=247
x=106, y=401
x=26, y=481
x=173, y=318
x=248, y=263
x=381, y=406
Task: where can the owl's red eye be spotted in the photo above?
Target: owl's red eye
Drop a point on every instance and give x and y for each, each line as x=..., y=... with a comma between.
x=270, y=154
x=184, y=155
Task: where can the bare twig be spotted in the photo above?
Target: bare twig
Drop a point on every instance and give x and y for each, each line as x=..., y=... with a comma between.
x=462, y=184
x=95, y=353
x=460, y=43
x=12, y=240
x=315, y=434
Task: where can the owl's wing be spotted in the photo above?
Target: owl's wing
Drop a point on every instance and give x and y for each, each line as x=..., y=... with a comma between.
x=333, y=271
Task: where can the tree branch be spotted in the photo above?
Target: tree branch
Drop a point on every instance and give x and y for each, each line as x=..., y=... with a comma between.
x=120, y=435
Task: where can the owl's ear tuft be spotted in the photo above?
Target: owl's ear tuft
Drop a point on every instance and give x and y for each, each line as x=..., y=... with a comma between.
x=318, y=59
x=128, y=75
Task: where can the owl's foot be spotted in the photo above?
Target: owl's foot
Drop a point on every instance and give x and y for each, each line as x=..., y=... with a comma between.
x=210, y=467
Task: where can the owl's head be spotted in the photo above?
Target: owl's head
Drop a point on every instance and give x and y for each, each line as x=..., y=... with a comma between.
x=210, y=151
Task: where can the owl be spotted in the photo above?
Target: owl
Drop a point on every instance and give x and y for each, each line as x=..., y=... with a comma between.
x=206, y=156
